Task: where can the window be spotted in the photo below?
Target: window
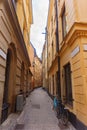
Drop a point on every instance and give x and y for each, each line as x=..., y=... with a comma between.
x=64, y=31
x=59, y=1
x=68, y=84
x=53, y=84
x=52, y=51
x=58, y=84
x=15, y=3
x=51, y=26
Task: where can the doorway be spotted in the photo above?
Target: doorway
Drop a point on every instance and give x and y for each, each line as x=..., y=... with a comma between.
x=8, y=105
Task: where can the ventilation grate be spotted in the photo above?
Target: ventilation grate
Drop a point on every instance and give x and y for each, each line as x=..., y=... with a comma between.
x=19, y=127
x=36, y=106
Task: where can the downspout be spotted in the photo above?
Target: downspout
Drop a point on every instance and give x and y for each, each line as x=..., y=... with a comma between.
x=47, y=58
x=57, y=49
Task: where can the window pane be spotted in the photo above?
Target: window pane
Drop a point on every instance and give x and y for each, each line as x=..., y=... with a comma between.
x=15, y=2
x=64, y=23
x=68, y=84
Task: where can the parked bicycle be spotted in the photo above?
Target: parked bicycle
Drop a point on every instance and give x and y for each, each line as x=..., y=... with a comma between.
x=61, y=111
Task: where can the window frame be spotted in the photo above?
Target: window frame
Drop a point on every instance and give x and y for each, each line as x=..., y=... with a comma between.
x=15, y=3
x=64, y=23
x=68, y=84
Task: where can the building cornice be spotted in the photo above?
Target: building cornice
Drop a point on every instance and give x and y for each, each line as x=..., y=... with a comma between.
x=77, y=30
x=15, y=24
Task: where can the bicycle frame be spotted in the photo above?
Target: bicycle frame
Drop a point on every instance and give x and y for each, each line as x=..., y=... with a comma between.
x=62, y=113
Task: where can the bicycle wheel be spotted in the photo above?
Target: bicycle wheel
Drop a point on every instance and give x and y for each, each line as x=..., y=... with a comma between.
x=64, y=117
x=59, y=113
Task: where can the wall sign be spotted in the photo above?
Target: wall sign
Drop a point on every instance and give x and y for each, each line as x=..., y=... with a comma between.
x=2, y=54
x=75, y=51
x=85, y=47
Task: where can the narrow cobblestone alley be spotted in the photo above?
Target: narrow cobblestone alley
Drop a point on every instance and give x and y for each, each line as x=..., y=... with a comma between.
x=38, y=113
x=43, y=54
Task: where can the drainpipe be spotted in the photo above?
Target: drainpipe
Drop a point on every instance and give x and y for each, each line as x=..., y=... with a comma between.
x=57, y=49
x=47, y=59
x=46, y=40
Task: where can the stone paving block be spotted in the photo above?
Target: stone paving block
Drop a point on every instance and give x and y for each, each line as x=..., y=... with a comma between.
x=38, y=114
x=19, y=127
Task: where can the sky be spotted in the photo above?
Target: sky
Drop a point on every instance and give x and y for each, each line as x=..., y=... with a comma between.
x=40, y=13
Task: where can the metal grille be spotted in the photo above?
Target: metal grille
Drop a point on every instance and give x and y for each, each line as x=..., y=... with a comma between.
x=19, y=127
x=36, y=106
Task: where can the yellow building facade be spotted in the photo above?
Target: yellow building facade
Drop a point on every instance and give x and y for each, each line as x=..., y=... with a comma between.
x=72, y=36
x=44, y=66
x=52, y=49
x=15, y=21
x=37, y=72
x=72, y=43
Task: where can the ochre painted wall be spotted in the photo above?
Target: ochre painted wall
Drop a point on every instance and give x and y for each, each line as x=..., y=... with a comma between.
x=19, y=64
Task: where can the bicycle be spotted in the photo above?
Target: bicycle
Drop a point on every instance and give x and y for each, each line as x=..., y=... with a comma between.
x=62, y=113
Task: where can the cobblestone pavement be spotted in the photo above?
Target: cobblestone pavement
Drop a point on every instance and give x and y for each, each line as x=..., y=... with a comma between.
x=38, y=114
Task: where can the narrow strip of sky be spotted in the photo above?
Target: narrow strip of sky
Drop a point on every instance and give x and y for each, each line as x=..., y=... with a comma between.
x=40, y=13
